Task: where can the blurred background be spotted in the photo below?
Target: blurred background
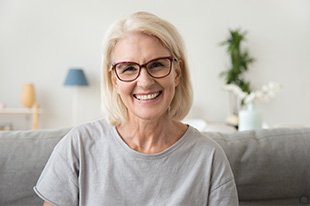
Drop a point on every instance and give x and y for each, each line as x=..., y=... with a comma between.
x=40, y=40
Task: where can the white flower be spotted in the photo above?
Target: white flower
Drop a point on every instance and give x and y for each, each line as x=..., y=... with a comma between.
x=264, y=95
x=235, y=90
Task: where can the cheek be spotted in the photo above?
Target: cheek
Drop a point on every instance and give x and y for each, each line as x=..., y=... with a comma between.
x=170, y=85
x=122, y=88
x=117, y=85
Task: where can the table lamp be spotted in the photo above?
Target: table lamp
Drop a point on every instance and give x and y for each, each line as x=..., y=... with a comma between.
x=75, y=78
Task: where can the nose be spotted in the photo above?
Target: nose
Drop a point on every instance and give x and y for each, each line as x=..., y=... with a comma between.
x=144, y=79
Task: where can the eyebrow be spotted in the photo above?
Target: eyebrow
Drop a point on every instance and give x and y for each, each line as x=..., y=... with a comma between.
x=163, y=57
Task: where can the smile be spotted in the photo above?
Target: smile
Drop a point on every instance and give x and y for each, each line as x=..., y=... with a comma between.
x=147, y=96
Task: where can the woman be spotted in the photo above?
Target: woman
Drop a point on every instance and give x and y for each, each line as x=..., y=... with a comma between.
x=145, y=155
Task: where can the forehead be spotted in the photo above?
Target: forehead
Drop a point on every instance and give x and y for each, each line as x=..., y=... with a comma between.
x=138, y=47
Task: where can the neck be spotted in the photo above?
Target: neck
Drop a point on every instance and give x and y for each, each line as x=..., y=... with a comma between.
x=151, y=137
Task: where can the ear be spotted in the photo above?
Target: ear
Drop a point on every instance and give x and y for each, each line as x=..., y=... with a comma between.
x=178, y=73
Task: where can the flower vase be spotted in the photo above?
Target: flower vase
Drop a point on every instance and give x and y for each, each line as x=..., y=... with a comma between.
x=249, y=118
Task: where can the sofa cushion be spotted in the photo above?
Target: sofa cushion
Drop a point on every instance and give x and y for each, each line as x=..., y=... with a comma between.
x=23, y=155
x=270, y=166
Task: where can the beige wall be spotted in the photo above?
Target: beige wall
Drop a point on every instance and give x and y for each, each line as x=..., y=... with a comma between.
x=41, y=39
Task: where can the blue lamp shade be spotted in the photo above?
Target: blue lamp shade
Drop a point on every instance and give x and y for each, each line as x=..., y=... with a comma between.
x=76, y=77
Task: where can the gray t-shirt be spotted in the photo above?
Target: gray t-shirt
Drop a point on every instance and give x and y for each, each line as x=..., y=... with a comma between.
x=93, y=166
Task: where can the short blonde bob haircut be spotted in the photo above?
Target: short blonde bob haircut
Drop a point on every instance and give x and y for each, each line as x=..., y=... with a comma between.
x=170, y=38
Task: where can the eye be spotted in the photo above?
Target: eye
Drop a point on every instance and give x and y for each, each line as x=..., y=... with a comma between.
x=156, y=65
x=126, y=68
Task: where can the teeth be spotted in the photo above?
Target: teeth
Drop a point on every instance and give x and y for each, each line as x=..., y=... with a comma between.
x=147, y=96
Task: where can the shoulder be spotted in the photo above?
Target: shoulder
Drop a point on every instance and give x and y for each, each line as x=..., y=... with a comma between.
x=203, y=142
x=87, y=133
x=212, y=152
x=92, y=129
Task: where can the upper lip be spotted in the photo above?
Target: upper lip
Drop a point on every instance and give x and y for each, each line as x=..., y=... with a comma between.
x=146, y=93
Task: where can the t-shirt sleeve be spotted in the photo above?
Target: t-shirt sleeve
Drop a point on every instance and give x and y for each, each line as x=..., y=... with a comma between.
x=224, y=195
x=223, y=190
x=58, y=183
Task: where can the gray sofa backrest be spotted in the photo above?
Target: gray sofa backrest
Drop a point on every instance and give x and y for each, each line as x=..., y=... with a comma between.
x=23, y=155
x=271, y=167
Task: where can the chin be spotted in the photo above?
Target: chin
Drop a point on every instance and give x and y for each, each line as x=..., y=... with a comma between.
x=151, y=116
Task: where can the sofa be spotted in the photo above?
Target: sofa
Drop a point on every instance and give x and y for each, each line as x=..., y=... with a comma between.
x=271, y=166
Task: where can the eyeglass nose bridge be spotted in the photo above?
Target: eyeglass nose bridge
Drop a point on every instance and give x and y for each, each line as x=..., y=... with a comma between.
x=146, y=69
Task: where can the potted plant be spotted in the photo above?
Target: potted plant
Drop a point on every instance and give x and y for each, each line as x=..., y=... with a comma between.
x=234, y=75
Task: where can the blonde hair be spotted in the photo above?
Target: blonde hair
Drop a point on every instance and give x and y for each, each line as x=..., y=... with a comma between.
x=170, y=38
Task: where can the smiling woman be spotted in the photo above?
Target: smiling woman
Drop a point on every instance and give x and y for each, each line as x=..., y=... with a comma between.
x=169, y=39
x=145, y=144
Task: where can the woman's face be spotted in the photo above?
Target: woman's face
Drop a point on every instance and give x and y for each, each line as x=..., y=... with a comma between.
x=146, y=97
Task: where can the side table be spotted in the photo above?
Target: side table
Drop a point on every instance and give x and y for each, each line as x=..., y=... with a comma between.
x=34, y=111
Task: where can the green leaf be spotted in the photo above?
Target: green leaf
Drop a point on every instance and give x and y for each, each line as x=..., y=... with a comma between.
x=239, y=60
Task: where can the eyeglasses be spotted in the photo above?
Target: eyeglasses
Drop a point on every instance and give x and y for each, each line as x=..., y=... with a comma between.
x=156, y=68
